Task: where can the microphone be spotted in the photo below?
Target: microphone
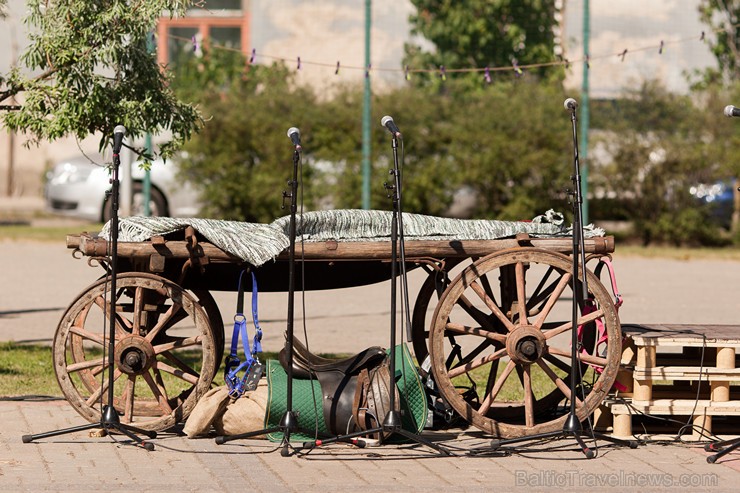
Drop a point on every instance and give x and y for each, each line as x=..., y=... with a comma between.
x=118, y=133
x=731, y=111
x=388, y=123
x=570, y=104
x=295, y=136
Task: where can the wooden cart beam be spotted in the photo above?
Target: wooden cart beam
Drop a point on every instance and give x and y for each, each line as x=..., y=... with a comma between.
x=333, y=250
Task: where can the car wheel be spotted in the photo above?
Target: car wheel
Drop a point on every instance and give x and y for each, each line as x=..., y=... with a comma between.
x=157, y=203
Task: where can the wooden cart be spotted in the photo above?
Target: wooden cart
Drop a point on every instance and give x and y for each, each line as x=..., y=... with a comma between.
x=492, y=320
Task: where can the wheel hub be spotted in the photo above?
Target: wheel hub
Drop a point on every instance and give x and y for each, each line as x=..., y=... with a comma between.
x=134, y=355
x=525, y=344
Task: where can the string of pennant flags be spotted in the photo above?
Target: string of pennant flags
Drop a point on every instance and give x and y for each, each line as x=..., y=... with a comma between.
x=442, y=71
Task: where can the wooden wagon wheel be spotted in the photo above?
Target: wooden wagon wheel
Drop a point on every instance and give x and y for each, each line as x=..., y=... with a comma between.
x=436, y=282
x=216, y=321
x=503, y=361
x=165, y=351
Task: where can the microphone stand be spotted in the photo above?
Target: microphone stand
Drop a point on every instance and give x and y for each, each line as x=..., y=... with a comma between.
x=572, y=427
x=392, y=424
x=109, y=419
x=723, y=447
x=289, y=422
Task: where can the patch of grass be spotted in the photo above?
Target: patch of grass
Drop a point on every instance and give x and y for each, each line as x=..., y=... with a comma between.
x=26, y=370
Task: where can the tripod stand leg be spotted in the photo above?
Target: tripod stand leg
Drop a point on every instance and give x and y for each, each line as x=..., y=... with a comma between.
x=423, y=441
x=352, y=438
x=223, y=439
x=510, y=441
x=722, y=448
x=123, y=429
x=73, y=429
x=584, y=448
x=615, y=441
x=130, y=433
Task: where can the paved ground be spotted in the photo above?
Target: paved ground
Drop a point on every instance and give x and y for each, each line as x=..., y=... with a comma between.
x=40, y=280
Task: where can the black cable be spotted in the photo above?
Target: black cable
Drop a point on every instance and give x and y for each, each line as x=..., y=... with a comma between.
x=688, y=424
x=303, y=310
x=31, y=398
x=405, y=306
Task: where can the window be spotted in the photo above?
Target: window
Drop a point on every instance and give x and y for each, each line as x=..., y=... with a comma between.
x=222, y=22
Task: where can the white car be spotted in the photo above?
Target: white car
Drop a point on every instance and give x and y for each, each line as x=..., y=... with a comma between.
x=77, y=188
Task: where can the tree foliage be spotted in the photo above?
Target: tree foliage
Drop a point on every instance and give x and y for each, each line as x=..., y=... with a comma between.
x=658, y=146
x=483, y=33
x=89, y=68
x=242, y=158
x=513, y=153
x=722, y=17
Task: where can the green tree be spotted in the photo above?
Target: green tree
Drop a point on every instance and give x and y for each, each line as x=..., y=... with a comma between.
x=242, y=157
x=722, y=17
x=508, y=146
x=661, y=144
x=483, y=33
x=430, y=175
x=88, y=69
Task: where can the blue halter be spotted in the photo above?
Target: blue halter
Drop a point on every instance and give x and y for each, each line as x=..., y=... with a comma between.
x=251, y=366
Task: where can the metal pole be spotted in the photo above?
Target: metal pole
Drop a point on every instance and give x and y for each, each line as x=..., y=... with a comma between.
x=366, y=113
x=585, y=107
x=10, y=185
x=146, y=191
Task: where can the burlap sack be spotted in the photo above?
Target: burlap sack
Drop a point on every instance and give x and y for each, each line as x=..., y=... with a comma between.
x=211, y=405
x=245, y=414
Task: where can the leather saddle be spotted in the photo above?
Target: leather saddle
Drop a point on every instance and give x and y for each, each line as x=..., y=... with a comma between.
x=355, y=390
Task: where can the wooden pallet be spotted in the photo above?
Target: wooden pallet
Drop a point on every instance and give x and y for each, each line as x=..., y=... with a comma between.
x=678, y=370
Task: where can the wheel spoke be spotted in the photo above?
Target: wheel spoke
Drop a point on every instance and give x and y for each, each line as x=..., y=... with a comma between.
x=558, y=363
x=84, y=365
x=569, y=325
x=475, y=331
x=539, y=294
x=586, y=358
x=187, y=376
x=138, y=309
x=180, y=364
x=492, y=375
x=174, y=309
x=475, y=352
x=475, y=313
x=491, y=396
x=80, y=331
x=103, y=304
x=558, y=381
x=528, y=396
x=178, y=342
x=461, y=369
x=521, y=293
x=159, y=392
x=99, y=391
x=492, y=305
x=487, y=287
x=552, y=299
x=129, y=394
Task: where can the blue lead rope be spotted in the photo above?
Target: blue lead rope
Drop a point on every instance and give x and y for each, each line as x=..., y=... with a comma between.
x=251, y=366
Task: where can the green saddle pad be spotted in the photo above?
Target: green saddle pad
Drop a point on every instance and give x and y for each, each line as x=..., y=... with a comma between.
x=307, y=400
